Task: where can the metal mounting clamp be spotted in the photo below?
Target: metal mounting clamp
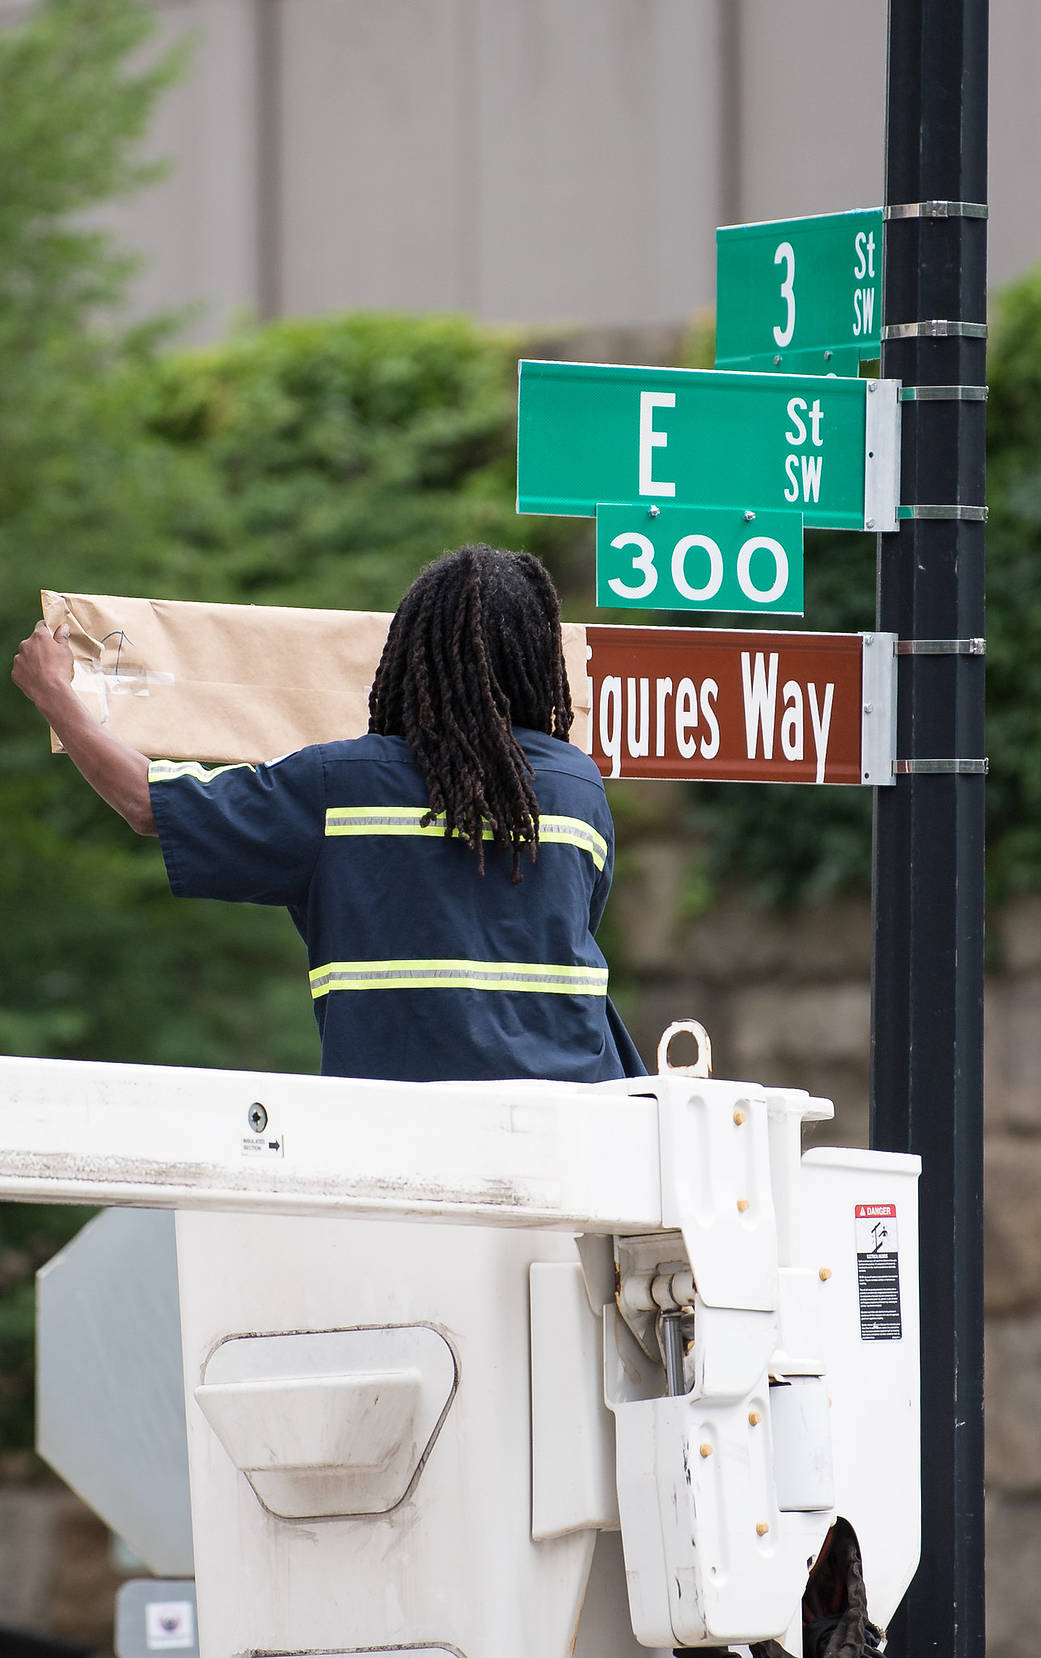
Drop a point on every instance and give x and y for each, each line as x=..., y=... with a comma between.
x=936, y=210
x=972, y=515
x=940, y=647
x=974, y=768
x=938, y=328
x=944, y=394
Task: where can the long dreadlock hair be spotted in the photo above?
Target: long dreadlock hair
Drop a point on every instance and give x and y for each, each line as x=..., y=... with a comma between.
x=474, y=649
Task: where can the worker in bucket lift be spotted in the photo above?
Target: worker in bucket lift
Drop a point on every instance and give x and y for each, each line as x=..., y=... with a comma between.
x=447, y=871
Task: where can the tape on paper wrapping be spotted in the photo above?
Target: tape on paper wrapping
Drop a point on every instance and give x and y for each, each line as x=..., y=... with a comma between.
x=89, y=679
x=92, y=680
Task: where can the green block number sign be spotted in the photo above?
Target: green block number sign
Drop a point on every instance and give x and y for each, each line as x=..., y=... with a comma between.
x=680, y=558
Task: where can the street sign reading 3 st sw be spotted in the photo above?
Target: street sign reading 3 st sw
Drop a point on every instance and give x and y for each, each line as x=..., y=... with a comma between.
x=592, y=433
x=800, y=295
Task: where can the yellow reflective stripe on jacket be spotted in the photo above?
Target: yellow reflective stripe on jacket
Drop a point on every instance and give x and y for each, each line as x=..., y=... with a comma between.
x=163, y=771
x=571, y=831
x=408, y=820
x=458, y=975
x=384, y=820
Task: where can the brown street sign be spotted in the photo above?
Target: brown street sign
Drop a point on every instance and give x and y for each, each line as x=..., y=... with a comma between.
x=741, y=706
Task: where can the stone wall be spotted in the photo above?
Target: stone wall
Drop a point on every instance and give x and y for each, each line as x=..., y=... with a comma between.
x=784, y=997
x=1012, y=1279
x=58, y=1570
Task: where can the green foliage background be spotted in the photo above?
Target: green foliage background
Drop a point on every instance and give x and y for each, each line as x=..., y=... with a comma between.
x=317, y=462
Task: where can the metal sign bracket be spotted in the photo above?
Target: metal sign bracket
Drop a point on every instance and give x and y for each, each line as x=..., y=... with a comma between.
x=941, y=647
x=910, y=768
x=936, y=210
x=976, y=515
x=944, y=394
x=936, y=328
x=878, y=711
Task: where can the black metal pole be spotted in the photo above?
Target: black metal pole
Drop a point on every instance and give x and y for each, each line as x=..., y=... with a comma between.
x=927, y=968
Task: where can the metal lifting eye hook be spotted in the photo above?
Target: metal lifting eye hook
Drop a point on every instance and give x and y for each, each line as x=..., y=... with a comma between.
x=702, y=1067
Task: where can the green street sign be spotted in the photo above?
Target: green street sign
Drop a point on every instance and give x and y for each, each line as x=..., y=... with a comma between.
x=590, y=433
x=803, y=296
x=698, y=558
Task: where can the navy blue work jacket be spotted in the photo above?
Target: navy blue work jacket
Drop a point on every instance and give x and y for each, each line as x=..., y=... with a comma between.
x=421, y=969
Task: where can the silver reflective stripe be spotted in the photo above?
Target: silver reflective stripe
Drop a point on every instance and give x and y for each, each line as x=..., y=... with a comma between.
x=386, y=820
x=572, y=831
x=408, y=820
x=164, y=771
x=458, y=975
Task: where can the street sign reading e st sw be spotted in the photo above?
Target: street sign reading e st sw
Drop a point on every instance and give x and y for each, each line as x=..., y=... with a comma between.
x=591, y=434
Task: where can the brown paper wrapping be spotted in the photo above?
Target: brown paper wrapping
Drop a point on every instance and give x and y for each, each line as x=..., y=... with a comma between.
x=224, y=682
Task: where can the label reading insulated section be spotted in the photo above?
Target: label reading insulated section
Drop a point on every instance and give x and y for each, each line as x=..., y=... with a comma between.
x=274, y=1146
x=878, y=1271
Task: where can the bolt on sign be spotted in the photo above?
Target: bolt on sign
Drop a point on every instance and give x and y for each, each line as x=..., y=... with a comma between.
x=592, y=434
x=741, y=706
x=802, y=296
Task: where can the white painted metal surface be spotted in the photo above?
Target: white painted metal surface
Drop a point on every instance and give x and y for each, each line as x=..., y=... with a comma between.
x=109, y=1404
x=873, y=1384
x=794, y=1412
x=397, y=1438
x=452, y=1566
x=332, y=1422
x=513, y=1153
x=573, y=1461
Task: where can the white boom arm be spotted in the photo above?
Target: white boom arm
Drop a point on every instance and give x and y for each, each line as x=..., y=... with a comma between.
x=515, y=1153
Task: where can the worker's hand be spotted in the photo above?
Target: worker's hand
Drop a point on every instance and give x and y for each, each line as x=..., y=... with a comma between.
x=43, y=666
x=118, y=773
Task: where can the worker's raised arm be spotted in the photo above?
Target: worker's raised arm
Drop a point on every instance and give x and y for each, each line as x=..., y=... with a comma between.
x=118, y=773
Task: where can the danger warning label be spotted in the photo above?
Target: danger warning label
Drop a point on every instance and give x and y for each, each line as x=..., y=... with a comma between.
x=878, y=1271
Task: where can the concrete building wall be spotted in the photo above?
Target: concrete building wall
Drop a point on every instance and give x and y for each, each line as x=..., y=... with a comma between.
x=1015, y=138
x=525, y=160
x=812, y=105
